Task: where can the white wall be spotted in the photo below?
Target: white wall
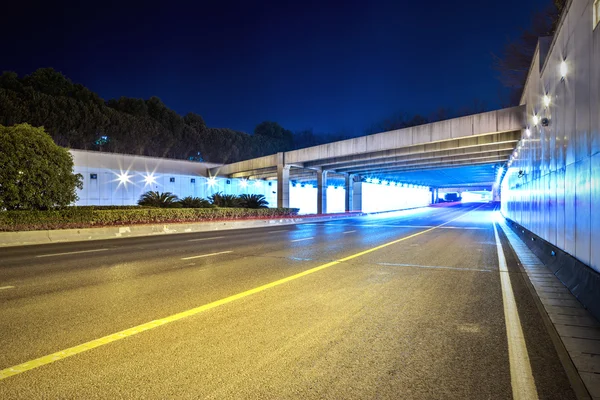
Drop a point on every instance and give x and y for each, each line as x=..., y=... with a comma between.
x=108, y=189
x=387, y=198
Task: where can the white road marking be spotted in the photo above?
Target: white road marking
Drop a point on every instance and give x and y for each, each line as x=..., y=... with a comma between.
x=437, y=267
x=210, y=238
x=417, y=226
x=521, y=377
x=299, y=240
x=71, y=252
x=349, y=232
x=6, y=287
x=207, y=255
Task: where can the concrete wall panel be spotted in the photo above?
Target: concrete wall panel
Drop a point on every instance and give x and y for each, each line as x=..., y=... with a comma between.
x=570, y=184
x=595, y=212
x=583, y=210
x=488, y=122
x=461, y=127
x=581, y=80
x=595, y=94
x=560, y=208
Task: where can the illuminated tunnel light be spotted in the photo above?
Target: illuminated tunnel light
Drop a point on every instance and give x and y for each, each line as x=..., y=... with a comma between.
x=123, y=178
x=528, y=132
x=150, y=179
x=536, y=119
x=212, y=181
x=546, y=100
x=564, y=69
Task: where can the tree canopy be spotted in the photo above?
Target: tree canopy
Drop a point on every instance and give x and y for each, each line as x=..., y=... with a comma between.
x=76, y=117
x=35, y=173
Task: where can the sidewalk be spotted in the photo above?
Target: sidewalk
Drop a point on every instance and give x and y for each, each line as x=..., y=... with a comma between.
x=576, y=330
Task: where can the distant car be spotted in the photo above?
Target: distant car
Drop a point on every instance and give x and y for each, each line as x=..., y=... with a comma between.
x=452, y=196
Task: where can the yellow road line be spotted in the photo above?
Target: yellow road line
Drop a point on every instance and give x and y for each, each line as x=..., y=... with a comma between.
x=521, y=377
x=59, y=355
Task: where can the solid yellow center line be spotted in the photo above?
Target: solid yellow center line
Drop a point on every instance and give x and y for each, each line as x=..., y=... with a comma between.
x=59, y=355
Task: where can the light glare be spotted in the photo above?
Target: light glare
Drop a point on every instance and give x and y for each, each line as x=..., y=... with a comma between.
x=546, y=100
x=536, y=119
x=123, y=178
x=150, y=179
x=564, y=69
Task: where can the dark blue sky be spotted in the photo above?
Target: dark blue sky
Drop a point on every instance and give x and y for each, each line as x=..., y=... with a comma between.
x=330, y=66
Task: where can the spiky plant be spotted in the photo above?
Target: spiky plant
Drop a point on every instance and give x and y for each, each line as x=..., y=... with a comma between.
x=253, y=201
x=194, y=202
x=157, y=199
x=224, y=200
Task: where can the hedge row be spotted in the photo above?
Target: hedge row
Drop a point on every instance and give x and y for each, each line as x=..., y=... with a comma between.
x=88, y=217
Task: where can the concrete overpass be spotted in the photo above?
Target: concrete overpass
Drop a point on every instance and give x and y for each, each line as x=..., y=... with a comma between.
x=461, y=151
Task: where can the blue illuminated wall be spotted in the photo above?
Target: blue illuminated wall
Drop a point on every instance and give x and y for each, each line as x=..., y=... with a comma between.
x=552, y=186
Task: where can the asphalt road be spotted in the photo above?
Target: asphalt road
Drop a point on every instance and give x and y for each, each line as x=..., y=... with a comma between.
x=420, y=318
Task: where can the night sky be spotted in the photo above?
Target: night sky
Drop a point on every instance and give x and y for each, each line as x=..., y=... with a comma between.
x=330, y=66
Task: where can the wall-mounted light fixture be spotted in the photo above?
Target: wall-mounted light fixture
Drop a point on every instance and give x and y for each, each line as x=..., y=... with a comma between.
x=149, y=179
x=547, y=100
x=563, y=69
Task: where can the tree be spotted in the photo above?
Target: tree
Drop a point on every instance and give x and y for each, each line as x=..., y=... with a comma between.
x=253, y=201
x=513, y=65
x=35, y=173
x=275, y=131
x=224, y=200
x=157, y=199
x=195, y=202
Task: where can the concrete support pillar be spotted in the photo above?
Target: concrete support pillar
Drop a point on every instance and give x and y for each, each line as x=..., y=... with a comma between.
x=321, y=192
x=283, y=185
x=357, y=196
x=349, y=193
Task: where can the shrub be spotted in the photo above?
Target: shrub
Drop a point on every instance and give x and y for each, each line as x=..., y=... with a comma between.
x=253, y=201
x=195, y=202
x=87, y=217
x=157, y=199
x=225, y=200
x=35, y=173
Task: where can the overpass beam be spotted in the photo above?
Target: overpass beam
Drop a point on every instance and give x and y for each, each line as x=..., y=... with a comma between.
x=321, y=192
x=283, y=185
